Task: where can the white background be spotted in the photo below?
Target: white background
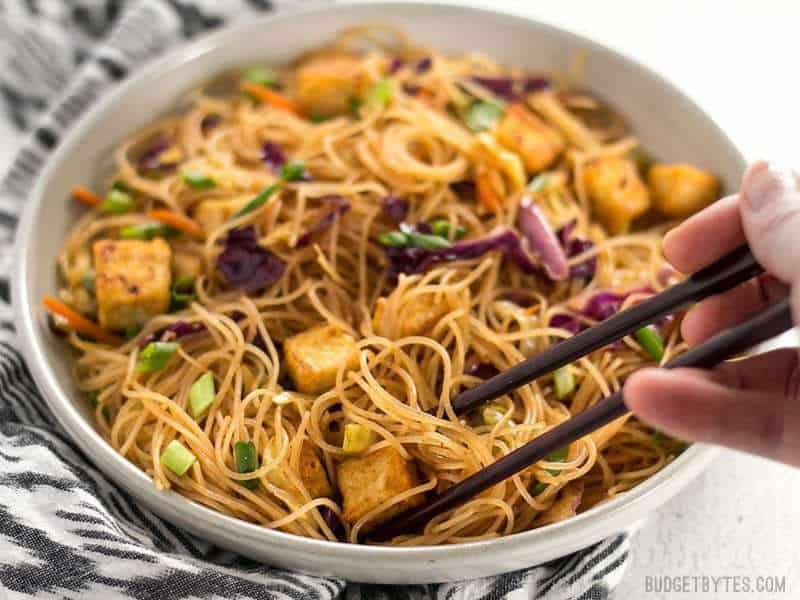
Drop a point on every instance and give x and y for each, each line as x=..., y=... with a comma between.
x=739, y=60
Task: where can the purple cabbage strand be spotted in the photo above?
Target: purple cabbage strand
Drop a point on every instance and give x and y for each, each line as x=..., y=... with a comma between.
x=340, y=207
x=272, y=155
x=245, y=264
x=395, y=209
x=542, y=240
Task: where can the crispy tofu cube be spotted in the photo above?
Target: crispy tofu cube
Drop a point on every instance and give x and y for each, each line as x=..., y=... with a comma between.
x=326, y=84
x=370, y=480
x=313, y=474
x=132, y=281
x=416, y=317
x=617, y=192
x=681, y=190
x=537, y=143
x=314, y=356
x=185, y=264
x=214, y=212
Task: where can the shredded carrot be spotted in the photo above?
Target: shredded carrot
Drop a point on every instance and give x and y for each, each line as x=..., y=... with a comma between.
x=80, y=323
x=271, y=97
x=178, y=221
x=85, y=196
x=486, y=193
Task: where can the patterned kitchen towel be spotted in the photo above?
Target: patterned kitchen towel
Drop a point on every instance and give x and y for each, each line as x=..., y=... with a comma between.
x=65, y=530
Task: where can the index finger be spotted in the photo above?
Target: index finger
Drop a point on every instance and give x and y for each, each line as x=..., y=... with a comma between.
x=705, y=237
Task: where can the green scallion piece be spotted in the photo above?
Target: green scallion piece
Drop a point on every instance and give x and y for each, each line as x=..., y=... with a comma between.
x=482, y=115
x=443, y=228
x=258, y=201
x=198, y=180
x=564, y=382
x=202, y=394
x=396, y=239
x=261, y=76
x=539, y=183
x=147, y=231
x=651, y=341
x=177, y=458
x=132, y=330
x=293, y=170
x=182, y=292
x=380, y=95
x=117, y=202
x=244, y=453
x=155, y=356
x=559, y=455
x=427, y=241
x=353, y=105
x=539, y=488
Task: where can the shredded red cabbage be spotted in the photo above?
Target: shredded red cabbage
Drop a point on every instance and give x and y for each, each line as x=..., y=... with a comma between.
x=484, y=370
x=465, y=189
x=272, y=155
x=179, y=328
x=542, y=240
x=332, y=520
x=424, y=64
x=574, y=246
x=417, y=260
x=395, y=209
x=395, y=65
x=603, y=305
x=568, y=322
x=520, y=298
x=245, y=264
x=340, y=207
x=150, y=158
x=410, y=88
x=510, y=88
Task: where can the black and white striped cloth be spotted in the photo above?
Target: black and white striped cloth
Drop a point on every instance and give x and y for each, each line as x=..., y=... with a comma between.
x=65, y=530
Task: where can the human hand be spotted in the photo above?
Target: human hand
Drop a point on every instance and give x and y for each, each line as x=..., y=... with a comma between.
x=751, y=404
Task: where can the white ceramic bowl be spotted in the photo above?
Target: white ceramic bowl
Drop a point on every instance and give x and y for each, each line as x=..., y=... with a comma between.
x=670, y=126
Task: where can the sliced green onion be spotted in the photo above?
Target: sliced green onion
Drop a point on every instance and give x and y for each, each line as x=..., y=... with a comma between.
x=201, y=394
x=132, y=330
x=564, y=382
x=147, y=231
x=651, y=341
x=118, y=185
x=182, y=292
x=380, y=95
x=317, y=119
x=442, y=228
x=261, y=76
x=258, y=201
x=87, y=281
x=357, y=438
x=244, y=453
x=293, y=170
x=539, y=183
x=177, y=458
x=117, y=202
x=559, y=455
x=539, y=488
x=353, y=105
x=155, y=356
x=492, y=414
x=198, y=180
x=397, y=239
x=427, y=241
x=482, y=115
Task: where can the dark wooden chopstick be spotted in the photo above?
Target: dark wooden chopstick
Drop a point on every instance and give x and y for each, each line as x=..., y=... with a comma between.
x=726, y=273
x=771, y=322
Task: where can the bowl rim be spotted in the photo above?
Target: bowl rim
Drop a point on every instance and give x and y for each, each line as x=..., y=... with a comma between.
x=125, y=474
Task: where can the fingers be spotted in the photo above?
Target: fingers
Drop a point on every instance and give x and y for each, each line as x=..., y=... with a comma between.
x=689, y=404
x=731, y=308
x=703, y=238
x=770, y=211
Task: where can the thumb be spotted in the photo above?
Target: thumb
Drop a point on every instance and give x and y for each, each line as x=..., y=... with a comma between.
x=770, y=210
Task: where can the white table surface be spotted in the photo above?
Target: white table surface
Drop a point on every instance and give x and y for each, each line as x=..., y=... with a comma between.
x=741, y=516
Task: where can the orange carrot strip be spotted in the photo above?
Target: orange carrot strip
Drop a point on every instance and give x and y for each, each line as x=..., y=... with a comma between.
x=271, y=97
x=486, y=194
x=85, y=196
x=178, y=221
x=80, y=323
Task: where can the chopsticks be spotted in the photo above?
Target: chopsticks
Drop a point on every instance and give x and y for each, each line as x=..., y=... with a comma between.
x=729, y=271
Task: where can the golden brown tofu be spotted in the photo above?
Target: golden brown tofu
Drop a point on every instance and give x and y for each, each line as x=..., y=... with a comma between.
x=213, y=213
x=370, y=480
x=326, y=84
x=416, y=317
x=617, y=192
x=681, y=190
x=526, y=134
x=313, y=474
x=132, y=281
x=314, y=356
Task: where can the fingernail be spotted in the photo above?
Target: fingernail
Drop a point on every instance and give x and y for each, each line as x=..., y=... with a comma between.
x=764, y=184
